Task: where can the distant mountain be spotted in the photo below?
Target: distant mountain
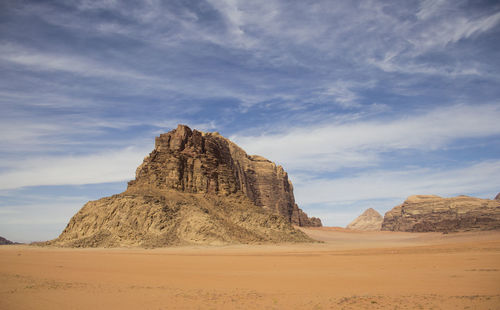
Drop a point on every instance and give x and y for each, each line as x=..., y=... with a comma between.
x=194, y=188
x=369, y=220
x=4, y=241
x=432, y=213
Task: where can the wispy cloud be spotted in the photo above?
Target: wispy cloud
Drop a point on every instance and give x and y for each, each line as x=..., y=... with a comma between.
x=329, y=147
x=430, y=8
x=451, y=30
x=62, y=62
x=111, y=166
x=342, y=93
x=337, y=201
x=47, y=219
x=481, y=177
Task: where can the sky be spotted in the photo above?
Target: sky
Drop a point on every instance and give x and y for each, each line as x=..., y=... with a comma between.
x=363, y=103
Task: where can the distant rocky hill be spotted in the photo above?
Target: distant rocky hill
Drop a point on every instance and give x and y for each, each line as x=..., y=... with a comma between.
x=194, y=188
x=4, y=241
x=497, y=197
x=432, y=213
x=369, y=220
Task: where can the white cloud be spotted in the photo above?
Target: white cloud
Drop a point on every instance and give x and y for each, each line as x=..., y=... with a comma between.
x=342, y=94
x=452, y=30
x=338, y=201
x=36, y=60
x=481, y=177
x=111, y=166
x=37, y=221
x=411, y=45
x=328, y=147
x=429, y=8
x=390, y=64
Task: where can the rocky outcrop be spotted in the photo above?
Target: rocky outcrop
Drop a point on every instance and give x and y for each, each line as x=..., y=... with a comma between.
x=306, y=221
x=497, y=197
x=193, y=188
x=4, y=241
x=169, y=218
x=192, y=161
x=369, y=220
x=432, y=213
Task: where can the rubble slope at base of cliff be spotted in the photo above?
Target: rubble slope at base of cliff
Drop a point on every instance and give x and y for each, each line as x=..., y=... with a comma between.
x=170, y=218
x=197, y=162
x=424, y=213
x=368, y=221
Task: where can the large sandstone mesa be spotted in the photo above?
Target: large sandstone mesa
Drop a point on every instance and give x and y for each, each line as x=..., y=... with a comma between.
x=369, y=220
x=424, y=213
x=193, y=188
x=196, y=162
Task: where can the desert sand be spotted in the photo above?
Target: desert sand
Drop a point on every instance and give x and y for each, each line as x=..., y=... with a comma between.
x=349, y=270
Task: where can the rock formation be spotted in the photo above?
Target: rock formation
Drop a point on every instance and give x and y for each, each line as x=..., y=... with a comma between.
x=4, y=241
x=369, y=220
x=497, y=197
x=432, y=213
x=194, y=188
x=197, y=162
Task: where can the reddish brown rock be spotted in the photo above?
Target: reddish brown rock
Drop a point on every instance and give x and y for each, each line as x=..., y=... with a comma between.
x=196, y=162
x=432, y=213
x=193, y=188
x=369, y=220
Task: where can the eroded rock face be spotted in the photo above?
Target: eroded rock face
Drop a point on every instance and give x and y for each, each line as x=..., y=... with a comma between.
x=196, y=162
x=432, y=213
x=369, y=220
x=193, y=188
x=497, y=197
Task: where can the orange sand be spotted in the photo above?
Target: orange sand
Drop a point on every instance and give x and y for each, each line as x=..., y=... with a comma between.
x=350, y=270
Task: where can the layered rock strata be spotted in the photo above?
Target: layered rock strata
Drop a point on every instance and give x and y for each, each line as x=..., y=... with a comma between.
x=193, y=188
x=432, y=213
x=192, y=161
x=369, y=220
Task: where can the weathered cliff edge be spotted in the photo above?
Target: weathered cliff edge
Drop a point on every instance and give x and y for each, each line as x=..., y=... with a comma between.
x=193, y=188
x=369, y=220
x=195, y=162
x=423, y=213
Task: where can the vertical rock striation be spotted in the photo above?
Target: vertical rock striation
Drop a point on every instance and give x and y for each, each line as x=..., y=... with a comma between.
x=196, y=162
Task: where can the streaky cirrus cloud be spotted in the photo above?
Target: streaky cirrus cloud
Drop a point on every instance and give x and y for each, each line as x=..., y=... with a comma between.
x=106, y=166
x=328, y=147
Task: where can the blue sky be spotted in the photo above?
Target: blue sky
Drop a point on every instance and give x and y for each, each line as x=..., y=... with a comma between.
x=363, y=102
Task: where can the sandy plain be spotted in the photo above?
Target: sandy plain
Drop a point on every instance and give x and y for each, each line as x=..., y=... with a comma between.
x=349, y=270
